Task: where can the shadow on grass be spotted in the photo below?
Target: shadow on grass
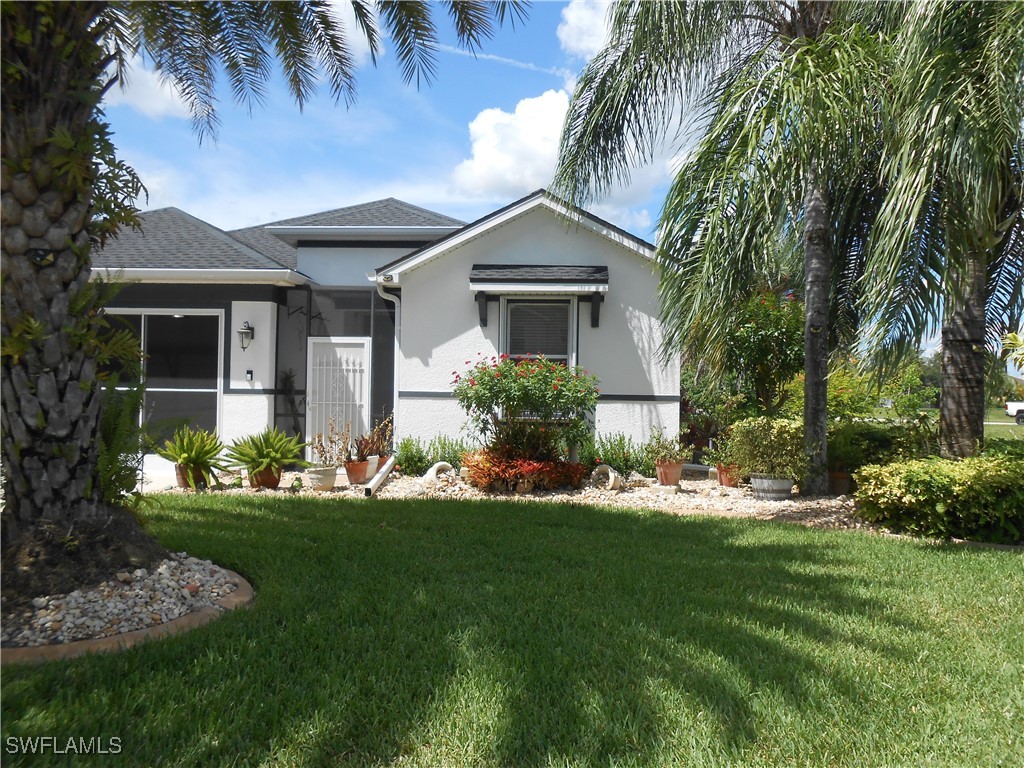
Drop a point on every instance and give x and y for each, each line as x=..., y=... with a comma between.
x=479, y=633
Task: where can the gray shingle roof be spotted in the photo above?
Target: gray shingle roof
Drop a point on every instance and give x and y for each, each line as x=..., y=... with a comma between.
x=173, y=239
x=532, y=273
x=379, y=213
x=264, y=242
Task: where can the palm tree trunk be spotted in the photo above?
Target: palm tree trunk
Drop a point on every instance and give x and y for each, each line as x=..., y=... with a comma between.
x=50, y=397
x=962, y=398
x=817, y=284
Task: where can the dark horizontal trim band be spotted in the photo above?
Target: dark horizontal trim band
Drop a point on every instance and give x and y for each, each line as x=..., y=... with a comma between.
x=639, y=398
x=362, y=243
x=237, y=391
x=423, y=394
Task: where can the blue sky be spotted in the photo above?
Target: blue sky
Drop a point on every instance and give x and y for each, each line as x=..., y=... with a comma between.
x=483, y=134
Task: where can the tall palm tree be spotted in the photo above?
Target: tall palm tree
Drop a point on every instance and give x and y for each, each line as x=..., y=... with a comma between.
x=62, y=185
x=784, y=99
x=948, y=246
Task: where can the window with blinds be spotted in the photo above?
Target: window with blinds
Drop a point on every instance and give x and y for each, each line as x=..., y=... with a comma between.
x=539, y=328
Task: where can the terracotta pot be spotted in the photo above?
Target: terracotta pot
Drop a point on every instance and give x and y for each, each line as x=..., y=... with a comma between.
x=181, y=472
x=322, y=478
x=669, y=472
x=728, y=475
x=840, y=483
x=356, y=471
x=265, y=478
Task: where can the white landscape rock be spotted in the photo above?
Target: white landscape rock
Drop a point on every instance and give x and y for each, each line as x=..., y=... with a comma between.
x=178, y=585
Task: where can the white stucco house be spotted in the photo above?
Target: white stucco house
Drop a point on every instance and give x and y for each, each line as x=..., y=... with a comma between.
x=365, y=311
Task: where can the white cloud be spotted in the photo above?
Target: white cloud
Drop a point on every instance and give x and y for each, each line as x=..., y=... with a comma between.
x=584, y=27
x=358, y=45
x=145, y=91
x=513, y=153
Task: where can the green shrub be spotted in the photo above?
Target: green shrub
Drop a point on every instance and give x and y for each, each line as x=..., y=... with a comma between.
x=121, y=444
x=412, y=456
x=980, y=498
x=526, y=408
x=449, y=449
x=856, y=443
x=1004, y=446
x=619, y=452
x=773, y=447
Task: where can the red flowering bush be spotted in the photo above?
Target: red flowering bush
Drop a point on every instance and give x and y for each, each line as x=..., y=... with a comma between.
x=527, y=408
x=489, y=470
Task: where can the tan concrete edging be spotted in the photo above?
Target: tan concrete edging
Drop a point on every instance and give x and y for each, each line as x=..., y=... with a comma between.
x=241, y=597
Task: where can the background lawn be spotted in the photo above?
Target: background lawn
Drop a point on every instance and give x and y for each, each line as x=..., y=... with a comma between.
x=495, y=634
x=1006, y=427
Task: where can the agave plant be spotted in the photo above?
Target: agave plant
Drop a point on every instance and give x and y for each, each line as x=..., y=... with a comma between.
x=270, y=450
x=197, y=452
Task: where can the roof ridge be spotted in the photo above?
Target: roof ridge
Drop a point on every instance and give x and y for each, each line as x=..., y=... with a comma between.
x=352, y=208
x=234, y=242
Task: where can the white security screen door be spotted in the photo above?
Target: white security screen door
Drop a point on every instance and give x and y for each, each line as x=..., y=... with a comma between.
x=338, y=384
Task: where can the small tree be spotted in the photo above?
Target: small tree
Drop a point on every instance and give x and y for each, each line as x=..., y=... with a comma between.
x=767, y=347
x=527, y=408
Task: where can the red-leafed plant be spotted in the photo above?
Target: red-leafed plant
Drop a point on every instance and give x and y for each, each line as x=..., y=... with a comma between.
x=490, y=470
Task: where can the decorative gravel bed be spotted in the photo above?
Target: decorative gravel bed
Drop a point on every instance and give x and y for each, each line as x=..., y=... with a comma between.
x=130, y=601
x=700, y=497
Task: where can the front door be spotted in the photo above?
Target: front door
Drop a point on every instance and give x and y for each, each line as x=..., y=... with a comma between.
x=338, y=384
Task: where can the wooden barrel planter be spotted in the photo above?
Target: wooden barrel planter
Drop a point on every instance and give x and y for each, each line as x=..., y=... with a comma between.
x=767, y=488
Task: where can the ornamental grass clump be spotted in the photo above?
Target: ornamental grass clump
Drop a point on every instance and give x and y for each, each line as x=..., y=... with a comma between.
x=197, y=452
x=270, y=450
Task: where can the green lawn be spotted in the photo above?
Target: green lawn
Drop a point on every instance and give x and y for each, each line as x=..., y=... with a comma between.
x=1006, y=428
x=491, y=634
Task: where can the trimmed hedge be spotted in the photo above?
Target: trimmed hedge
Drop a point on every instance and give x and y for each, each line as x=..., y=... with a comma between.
x=981, y=498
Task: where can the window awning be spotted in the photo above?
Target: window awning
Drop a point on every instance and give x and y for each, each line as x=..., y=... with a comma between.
x=490, y=281
x=533, y=278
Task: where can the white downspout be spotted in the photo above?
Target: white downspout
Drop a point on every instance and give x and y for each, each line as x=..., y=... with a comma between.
x=398, y=350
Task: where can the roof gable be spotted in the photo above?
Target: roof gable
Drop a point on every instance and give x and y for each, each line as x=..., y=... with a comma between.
x=392, y=271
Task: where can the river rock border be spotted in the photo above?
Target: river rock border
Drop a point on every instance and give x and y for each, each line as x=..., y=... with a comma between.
x=241, y=597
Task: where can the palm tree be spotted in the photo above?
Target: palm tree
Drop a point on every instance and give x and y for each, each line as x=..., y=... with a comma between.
x=948, y=246
x=63, y=187
x=784, y=99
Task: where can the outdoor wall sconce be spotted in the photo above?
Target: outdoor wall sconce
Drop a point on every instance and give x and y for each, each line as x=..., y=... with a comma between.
x=245, y=335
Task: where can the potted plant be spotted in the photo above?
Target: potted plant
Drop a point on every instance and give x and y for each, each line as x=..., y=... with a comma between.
x=357, y=466
x=720, y=456
x=329, y=453
x=265, y=455
x=846, y=452
x=381, y=438
x=771, y=451
x=196, y=454
x=668, y=456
